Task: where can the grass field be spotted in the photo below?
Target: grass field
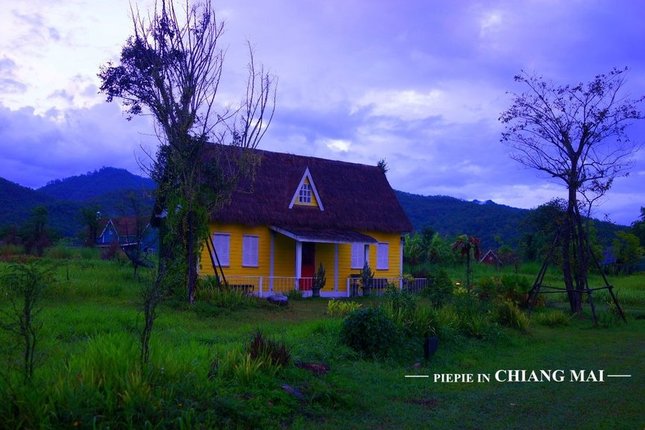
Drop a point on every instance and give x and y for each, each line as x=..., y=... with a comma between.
x=88, y=374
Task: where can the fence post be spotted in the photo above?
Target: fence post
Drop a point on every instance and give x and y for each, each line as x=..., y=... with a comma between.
x=260, y=287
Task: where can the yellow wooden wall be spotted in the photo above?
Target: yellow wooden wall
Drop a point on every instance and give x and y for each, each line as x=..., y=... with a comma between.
x=235, y=268
x=284, y=256
x=325, y=255
x=285, y=260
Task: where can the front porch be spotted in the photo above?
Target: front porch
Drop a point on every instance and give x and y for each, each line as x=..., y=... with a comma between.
x=265, y=286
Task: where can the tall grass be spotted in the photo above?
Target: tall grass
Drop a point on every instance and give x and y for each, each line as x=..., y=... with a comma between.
x=202, y=375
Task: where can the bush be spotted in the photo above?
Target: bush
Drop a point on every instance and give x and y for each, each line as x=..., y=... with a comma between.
x=340, y=308
x=210, y=290
x=369, y=332
x=10, y=250
x=294, y=295
x=515, y=288
x=274, y=352
x=399, y=306
x=59, y=252
x=440, y=287
x=425, y=322
x=509, y=287
x=553, y=318
x=508, y=314
x=472, y=314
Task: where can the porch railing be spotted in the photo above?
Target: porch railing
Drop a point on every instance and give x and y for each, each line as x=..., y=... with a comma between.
x=378, y=286
x=264, y=286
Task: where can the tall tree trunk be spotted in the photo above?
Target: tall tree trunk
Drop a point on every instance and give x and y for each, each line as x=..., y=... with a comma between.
x=582, y=266
x=570, y=269
x=191, y=254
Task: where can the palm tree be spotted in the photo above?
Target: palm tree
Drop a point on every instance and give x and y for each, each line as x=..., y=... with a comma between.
x=468, y=247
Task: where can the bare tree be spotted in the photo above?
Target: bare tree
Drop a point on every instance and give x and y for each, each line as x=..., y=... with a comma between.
x=576, y=134
x=172, y=67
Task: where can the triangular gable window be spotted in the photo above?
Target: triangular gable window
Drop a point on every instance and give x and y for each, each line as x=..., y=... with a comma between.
x=306, y=194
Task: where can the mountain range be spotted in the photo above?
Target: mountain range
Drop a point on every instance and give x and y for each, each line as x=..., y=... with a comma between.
x=110, y=190
x=114, y=192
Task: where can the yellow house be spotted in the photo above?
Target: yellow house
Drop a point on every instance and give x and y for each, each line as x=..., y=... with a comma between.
x=301, y=212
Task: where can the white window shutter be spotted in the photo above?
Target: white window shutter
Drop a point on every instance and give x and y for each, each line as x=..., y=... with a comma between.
x=250, y=251
x=382, y=256
x=222, y=243
x=358, y=255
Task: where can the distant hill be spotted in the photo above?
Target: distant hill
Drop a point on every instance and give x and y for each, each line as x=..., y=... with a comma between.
x=17, y=203
x=106, y=180
x=112, y=191
x=450, y=216
x=486, y=220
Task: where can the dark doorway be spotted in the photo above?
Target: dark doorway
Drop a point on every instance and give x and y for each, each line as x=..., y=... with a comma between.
x=308, y=265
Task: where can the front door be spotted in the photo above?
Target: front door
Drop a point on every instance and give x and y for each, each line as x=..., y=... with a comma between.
x=308, y=265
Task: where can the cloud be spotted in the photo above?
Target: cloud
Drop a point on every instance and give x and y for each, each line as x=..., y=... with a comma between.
x=337, y=145
x=454, y=102
x=40, y=148
x=8, y=81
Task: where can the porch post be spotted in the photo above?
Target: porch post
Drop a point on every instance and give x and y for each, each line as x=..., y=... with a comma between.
x=336, y=267
x=401, y=246
x=298, y=262
x=367, y=254
x=271, y=260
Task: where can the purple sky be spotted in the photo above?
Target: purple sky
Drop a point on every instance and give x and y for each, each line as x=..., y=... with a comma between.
x=420, y=83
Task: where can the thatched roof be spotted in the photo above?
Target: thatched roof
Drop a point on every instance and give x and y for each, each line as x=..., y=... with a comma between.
x=354, y=196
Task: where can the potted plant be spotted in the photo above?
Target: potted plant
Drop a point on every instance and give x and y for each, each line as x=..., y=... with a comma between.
x=318, y=281
x=367, y=276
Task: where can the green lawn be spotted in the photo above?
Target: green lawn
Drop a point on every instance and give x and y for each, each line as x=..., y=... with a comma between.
x=88, y=375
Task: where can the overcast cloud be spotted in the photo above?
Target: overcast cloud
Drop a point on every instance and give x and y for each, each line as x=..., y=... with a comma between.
x=419, y=83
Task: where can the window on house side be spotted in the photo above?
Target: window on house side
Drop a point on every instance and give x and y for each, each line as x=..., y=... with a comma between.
x=250, y=251
x=305, y=194
x=382, y=256
x=222, y=243
x=358, y=255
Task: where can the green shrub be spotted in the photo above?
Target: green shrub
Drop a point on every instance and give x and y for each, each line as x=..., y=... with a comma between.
x=440, y=287
x=59, y=252
x=340, y=308
x=275, y=352
x=425, y=322
x=8, y=250
x=472, y=314
x=508, y=287
x=488, y=287
x=447, y=322
x=369, y=332
x=611, y=316
x=475, y=325
x=238, y=365
x=210, y=290
x=507, y=314
x=555, y=318
x=515, y=287
x=294, y=295
x=399, y=305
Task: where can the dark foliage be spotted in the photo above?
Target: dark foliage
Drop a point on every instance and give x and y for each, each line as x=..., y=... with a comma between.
x=106, y=189
x=92, y=185
x=369, y=332
x=276, y=352
x=450, y=217
x=440, y=286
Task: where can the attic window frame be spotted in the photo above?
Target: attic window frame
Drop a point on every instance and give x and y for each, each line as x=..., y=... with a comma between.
x=296, y=196
x=305, y=194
